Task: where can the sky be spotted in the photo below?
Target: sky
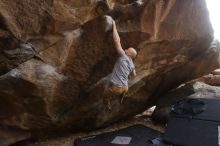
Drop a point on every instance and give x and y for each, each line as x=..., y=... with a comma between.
x=214, y=14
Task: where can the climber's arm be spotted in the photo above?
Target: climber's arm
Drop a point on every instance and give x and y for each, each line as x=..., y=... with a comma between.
x=133, y=73
x=116, y=39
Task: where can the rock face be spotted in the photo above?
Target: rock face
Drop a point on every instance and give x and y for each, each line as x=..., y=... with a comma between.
x=55, y=52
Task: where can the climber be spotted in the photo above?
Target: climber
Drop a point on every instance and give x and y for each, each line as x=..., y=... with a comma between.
x=118, y=84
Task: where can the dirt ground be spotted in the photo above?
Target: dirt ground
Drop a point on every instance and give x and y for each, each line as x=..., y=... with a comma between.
x=68, y=140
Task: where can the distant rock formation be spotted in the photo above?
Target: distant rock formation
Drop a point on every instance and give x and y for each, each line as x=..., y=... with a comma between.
x=193, y=89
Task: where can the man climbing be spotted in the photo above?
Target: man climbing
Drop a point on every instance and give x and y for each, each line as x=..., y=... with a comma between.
x=124, y=67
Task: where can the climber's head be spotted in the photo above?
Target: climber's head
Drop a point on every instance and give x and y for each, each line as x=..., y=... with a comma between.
x=131, y=52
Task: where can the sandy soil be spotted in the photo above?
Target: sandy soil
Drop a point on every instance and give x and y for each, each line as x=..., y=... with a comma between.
x=68, y=140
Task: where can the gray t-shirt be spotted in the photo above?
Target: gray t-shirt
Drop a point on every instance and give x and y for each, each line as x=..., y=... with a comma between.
x=123, y=67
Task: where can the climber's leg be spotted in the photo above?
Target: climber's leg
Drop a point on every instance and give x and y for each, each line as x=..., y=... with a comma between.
x=111, y=91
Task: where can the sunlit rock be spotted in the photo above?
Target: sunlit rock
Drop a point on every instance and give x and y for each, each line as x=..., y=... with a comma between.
x=54, y=55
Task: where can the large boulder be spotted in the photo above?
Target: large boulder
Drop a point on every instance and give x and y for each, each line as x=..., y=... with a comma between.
x=54, y=55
